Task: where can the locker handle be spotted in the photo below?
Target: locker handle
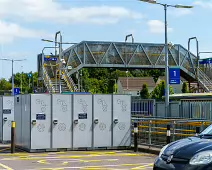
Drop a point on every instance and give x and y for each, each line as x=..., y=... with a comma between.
x=33, y=122
x=5, y=118
x=96, y=121
x=115, y=121
x=55, y=121
x=76, y=121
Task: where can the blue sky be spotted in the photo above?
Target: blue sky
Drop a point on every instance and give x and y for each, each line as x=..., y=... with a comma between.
x=24, y=22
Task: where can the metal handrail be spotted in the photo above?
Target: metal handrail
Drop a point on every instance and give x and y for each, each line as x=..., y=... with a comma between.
x=67, y=82
x=48, y=82
x=71, y=80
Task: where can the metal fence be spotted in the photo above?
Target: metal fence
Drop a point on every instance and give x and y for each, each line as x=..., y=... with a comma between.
x=153, y=131
x=198, y=109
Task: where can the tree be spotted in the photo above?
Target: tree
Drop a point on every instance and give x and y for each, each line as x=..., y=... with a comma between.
x=144, y=92
x=5, y=85
x=185, y=88
x=159, y=91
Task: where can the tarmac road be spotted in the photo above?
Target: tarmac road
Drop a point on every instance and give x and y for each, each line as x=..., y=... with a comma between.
x=82, y=160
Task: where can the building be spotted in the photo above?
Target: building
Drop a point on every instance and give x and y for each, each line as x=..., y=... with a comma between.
x=133, y=85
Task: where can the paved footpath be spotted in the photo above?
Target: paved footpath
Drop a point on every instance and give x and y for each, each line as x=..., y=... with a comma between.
x=77, y=160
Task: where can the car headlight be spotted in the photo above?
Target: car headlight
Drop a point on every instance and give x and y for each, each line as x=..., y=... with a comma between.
x=163, y=149
x=201, y=158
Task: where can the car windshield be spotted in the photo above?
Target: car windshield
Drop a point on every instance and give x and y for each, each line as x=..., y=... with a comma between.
x=207, y=131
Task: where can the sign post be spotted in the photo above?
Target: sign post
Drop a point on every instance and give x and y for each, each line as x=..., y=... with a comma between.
x=174, y=75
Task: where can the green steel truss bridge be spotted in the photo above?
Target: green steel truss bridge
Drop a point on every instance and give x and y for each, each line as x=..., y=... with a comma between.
x=128, y=55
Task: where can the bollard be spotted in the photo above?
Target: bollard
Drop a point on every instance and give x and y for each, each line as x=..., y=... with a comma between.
x=13, y=137
x=135, y=136
x=197, y=131
x=168, y=135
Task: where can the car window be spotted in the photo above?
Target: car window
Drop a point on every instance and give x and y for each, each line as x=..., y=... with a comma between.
x=208, y=130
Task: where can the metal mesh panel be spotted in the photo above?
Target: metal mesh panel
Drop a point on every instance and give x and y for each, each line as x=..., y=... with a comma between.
x=73, y=60
x=140, y=57
x=153, y=52
x=88, y=56
x=80, y=51
x=98, y=51
x=112, y=56
x=126, y=51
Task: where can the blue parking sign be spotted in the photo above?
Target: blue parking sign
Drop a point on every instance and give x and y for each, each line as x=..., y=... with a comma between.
x=17, y=91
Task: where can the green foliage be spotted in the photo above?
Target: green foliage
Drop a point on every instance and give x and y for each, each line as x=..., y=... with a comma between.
x=20, y=80
x=5, y=85
x=94, y=80
x=144, y=92
x=185, y=88
x=159, y=91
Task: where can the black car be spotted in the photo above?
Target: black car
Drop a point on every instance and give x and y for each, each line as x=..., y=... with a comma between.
x=193, y=153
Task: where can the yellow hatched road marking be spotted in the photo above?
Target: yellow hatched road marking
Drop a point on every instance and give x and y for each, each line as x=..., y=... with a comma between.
x=5, y=166
x=143, y=166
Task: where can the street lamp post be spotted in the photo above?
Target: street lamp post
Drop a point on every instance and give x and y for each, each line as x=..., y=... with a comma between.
x=114, y=85
x=166, y=48
x=21, y=77
x=12, y=60
x=197, y=66
x=127, y=80
x=127, y=36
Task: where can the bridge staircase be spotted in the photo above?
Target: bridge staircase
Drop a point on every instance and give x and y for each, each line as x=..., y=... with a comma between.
x=53, y=79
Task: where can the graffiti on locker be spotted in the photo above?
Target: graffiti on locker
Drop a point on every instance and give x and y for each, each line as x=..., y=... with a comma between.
x=9, y=123
x=40, y=116
x=123, y=105
x=7, y=111
x=82, y=126
x=62, y=127
x=11, y=104
x=83, y=104
x=102, y=126
x=121, y=126
x=42, y=104
x=41, y=127
x=63, y=105
x=82, y=116
x=103, y=103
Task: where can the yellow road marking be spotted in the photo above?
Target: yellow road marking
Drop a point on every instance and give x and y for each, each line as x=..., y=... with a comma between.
x=52, y=168
x=65, y=163
x=130, y=164
x=91, y=160
x=92, y=167
x=6, y=167
x=143, y=166
x=43, y=162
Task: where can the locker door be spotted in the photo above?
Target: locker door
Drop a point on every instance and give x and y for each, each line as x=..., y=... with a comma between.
x=121, y=120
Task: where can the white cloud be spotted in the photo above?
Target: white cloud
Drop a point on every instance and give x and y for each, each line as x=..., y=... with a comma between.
x=10, y=31
x=157, y=26
x=180, y=12
x=203, y=4
x=51, y=11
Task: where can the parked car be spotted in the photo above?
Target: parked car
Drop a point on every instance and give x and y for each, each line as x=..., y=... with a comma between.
x=192, y=153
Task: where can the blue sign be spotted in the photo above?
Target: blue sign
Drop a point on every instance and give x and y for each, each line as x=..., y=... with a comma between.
x=30, y=75
x=17, y=91
x=40, y=116
x=174, y=75
x=50, y=59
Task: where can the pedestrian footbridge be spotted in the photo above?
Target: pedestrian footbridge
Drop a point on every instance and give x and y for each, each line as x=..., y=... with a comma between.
x=98, y=54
